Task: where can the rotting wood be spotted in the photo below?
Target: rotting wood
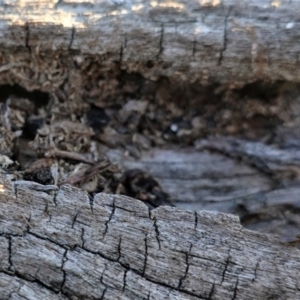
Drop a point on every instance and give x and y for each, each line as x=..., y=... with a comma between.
x=64, y=244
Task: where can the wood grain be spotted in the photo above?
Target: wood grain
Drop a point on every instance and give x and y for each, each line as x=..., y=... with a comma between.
x=63, y=244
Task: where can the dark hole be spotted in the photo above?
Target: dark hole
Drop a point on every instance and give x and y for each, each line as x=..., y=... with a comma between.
x=97, y=118
x=38, y=98
x=260, y=90
x=32, y=124
x=150, y=64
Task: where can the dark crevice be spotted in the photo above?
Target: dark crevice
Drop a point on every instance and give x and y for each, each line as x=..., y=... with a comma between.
x=64, y=260
x=212, y=291
x=74, y=220
x=103, y=294
x=27, y=36
x=157, y=233
x=235, y=289
x=27, y=221
x=149, y=213
x=91, y=197
x=224, y=39
x=82, y=237
x=54, y=197
x=124, y=280
x=160, y=51
x=225, y=268
x=123, y=45
x=196, y=220
x=101, y=281
x=119, y=249
x=46, y=211
x=110, y=217
x=72, y=38
x=146, y=256
x=11, y=267
x=13, y=292
x=186, y=267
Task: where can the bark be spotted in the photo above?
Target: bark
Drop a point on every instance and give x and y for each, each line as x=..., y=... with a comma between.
x=211, y=41
x=62, y=244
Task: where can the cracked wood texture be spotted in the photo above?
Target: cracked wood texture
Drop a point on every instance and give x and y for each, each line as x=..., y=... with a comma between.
x=62, y=244
x=222, y=41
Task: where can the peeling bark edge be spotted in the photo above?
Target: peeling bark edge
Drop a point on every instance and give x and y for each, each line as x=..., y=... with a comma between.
x=64, y=249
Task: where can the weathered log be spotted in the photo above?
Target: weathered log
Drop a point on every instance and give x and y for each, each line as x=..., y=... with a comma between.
x=258, y=182
x=62, y=244
x=210, y=41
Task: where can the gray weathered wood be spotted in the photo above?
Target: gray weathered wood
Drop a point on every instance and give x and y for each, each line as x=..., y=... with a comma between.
x=251, y=179
x=214, y=41
x=62, y=244
x=198, y=179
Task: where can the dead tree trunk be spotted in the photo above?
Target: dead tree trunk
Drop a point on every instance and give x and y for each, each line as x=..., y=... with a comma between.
x=61, y=244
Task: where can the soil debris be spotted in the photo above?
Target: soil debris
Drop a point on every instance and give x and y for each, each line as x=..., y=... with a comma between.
x=61, y=136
